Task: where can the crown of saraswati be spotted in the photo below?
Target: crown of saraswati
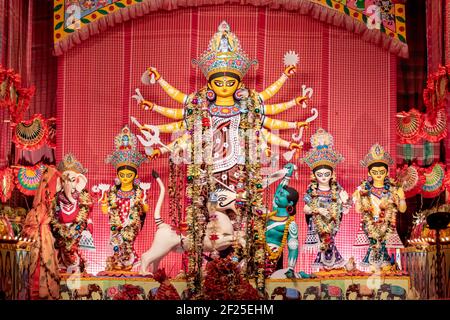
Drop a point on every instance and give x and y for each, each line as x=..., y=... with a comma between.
x=70, y=163
x=322, y=152
x=224, y=54
x=126, y=154
x=377, y=154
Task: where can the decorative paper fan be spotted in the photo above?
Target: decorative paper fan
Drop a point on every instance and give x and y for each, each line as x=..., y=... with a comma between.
x=409, y=126
x=6, y=183
x=411, y=179
x=51, y=136
x=435, y=126
x=28, y=178
x=434, y=181
x=30, y=134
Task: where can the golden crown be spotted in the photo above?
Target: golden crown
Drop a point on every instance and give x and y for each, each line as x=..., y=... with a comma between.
x=224, y=54
x=126, y=153
x=377, y=154
x=322, y=152
x=70, y=163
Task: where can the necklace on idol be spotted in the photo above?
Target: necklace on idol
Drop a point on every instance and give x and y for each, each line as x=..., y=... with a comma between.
x=72, y=208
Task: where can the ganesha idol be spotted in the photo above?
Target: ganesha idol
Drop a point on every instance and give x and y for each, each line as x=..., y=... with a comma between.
x=71, y=222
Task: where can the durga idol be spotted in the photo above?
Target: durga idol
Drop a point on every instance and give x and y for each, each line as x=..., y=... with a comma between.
x=224, y=130
x=225, y=108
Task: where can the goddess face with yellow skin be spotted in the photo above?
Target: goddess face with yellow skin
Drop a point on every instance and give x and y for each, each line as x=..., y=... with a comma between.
x=378, y=174
x=224, y=85
x=126, y=177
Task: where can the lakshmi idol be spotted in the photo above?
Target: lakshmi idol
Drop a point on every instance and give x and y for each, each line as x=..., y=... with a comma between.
x=125, y=202
x=378, y=199
x=325, y=199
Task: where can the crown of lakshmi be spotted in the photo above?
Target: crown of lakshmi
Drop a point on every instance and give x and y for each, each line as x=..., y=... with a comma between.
x=70, y=163
x=377, y=154
x=126, y=154
x=322, y=152
x=224, y=54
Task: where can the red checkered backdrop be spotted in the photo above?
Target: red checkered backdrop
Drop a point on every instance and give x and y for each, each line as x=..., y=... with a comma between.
x=354, y=85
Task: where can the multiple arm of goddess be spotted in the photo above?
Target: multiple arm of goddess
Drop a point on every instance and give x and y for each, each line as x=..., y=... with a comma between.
x=269, y=109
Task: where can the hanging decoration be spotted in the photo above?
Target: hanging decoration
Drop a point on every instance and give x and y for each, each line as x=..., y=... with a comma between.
x=411, y=178
x=13, y=96
x=434, y=180
x=28, y=178
x=432, y=125
x=380, y=22
x=409, y=126
x=435, y=125
x=51, y=136
x=7, y=184
x=30, y=134
x=434, y=95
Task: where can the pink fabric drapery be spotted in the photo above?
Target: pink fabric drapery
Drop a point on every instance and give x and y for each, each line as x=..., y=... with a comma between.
x=435, y=37
x=97, y=79
x=15, y=53
x=30, y=54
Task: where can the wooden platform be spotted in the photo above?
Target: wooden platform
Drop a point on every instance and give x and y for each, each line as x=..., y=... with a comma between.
x=372, y=287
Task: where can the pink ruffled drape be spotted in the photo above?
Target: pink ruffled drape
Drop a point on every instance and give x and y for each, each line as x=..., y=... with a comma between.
x=304, y=7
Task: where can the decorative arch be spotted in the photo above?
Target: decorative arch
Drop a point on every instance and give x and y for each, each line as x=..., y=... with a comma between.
x=381, y=22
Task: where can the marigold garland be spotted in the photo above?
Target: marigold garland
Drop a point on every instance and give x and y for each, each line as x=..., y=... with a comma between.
x=381, y=229
x=327, y=225
x=271, y=255
x=201, y=183
x=129, y=232
x=70, y=235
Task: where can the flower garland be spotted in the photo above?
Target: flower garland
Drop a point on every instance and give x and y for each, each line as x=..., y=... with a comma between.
x=197, y=213
x=257, y=224
x=70, y=235
x=271, y=255
x=382, y=228
x=326, y=225
x=129, y=232
x=200, y=185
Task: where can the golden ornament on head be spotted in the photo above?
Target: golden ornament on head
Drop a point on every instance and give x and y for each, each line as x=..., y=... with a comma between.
x=70, y=163
x=126, y=154
x=322, y=152
x=377, y=154
x=224, y=54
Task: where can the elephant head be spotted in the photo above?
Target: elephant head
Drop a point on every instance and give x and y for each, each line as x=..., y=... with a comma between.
x=72, y=179
x=72, y=182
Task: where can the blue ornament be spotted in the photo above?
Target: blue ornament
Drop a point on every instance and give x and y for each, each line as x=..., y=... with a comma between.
x=234, y=259
x=116, y=248
x=77, y=227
